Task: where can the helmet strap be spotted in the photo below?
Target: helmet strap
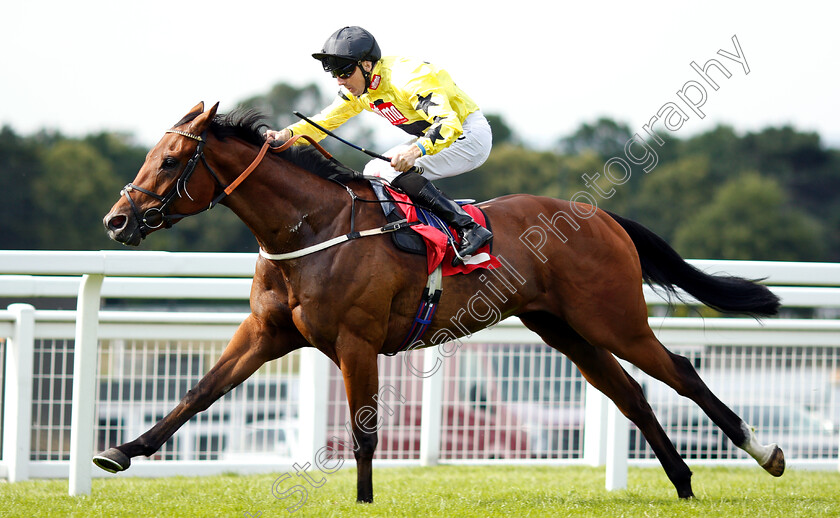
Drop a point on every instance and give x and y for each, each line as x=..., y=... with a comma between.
x=367, y=75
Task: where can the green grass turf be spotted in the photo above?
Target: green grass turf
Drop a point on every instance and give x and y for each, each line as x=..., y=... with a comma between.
x=446, y=491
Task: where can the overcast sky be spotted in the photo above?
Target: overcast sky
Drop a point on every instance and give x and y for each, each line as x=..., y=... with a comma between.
x=137, y=67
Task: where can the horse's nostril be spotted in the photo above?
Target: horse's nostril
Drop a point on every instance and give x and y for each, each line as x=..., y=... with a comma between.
x=116, y=223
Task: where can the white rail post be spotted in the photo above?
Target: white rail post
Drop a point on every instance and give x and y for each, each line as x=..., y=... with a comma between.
x=314, y=388
x=431, y=409
x=17, y=407
x=84, y=384
x=618, y=431
x=595, y=427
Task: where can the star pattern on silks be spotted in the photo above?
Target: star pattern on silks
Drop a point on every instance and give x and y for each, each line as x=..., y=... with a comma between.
x=434, y=133
x=424, y=103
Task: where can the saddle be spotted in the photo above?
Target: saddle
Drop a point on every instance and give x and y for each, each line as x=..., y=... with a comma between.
x=405, y=239
x=425, y=239
x=410, y=241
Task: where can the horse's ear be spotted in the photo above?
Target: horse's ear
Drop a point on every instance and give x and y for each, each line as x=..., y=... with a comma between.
x=197, y=110
x=202, y=121
x=213, y=110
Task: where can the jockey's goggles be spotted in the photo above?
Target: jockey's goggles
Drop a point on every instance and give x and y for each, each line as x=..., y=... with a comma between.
x=343, y=72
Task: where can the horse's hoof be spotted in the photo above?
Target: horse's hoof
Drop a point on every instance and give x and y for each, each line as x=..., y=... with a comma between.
x=775, y=465
x=112, y=460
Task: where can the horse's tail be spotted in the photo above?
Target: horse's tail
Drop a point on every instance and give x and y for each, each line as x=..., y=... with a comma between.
x=663, y=266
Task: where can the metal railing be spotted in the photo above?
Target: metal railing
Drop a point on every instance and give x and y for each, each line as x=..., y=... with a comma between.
x=503, y=397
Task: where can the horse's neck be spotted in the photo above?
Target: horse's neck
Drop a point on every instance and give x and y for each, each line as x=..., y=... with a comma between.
x=286, y=207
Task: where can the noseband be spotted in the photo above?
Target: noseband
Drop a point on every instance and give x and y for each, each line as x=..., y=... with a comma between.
x=159, y=216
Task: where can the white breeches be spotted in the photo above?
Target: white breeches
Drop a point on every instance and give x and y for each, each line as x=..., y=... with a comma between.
x=468, y=152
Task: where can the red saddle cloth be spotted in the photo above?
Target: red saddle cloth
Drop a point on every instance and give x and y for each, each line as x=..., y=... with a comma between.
x=437, y=250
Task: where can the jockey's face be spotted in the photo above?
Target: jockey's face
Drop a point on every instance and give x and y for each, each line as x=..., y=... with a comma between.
x=355, y=83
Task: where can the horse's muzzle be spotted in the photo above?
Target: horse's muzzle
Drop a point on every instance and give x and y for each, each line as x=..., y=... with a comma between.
x=122, y=229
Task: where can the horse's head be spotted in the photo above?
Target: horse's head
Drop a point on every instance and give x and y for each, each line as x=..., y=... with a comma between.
x=166, y=190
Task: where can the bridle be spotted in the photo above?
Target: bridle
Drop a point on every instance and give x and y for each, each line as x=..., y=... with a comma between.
x=159, y=216
x=156, y=217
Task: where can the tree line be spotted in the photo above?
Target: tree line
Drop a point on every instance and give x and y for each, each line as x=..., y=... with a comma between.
x=772, y=194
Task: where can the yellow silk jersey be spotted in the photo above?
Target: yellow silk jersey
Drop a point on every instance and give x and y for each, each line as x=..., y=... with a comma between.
x=415, y=96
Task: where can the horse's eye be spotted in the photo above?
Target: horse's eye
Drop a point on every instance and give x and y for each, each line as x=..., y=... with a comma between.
x=169, y=163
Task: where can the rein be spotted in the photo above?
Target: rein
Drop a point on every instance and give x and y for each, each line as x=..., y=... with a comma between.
x=156, y=217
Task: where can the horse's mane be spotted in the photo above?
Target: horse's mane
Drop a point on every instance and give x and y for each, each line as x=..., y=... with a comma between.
x=246, y=124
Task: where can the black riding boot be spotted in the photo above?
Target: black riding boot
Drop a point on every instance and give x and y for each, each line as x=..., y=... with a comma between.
x=421, y=191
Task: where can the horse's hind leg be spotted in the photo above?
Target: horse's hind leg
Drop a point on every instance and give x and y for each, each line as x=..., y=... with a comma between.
x=632, y=340
x=603, y=371
x=678, y=373
x=250, y=347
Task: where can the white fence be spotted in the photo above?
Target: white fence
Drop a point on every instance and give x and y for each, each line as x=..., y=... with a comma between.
x=84, y=380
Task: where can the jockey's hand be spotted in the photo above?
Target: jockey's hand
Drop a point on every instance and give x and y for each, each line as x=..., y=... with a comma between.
x=277, y=137
x=404, y=159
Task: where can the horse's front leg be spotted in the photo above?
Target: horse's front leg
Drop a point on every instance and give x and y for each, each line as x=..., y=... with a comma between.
x=361, y=381
x=253, y=344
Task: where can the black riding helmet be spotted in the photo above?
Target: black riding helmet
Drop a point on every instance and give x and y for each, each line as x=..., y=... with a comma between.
x=349, y=45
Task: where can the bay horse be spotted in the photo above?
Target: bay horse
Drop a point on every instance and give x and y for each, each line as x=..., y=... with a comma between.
x=581, y=292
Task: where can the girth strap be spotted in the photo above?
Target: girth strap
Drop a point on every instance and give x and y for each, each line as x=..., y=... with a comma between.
x=428, y=306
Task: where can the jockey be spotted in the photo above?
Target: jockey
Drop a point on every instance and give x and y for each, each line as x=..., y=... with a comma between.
x=451, y=136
